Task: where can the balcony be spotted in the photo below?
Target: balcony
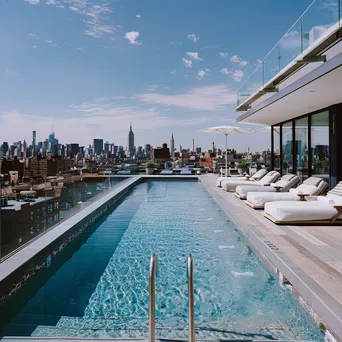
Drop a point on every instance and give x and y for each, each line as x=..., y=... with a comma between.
x=313, y=33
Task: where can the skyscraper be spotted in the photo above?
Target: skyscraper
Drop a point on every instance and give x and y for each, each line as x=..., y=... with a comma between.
x=34, y=135
x=98, y=146
x=131, y=141
x=172, y=145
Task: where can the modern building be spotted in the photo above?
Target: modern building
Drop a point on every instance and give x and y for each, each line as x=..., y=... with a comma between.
x=160, y=155
x=34, y=138
x=172, y=145
x=98, y=146
x=72, y=150
x=296, y=90
x=130, y=141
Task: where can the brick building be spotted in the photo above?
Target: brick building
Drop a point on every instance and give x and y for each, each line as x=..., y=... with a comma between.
x=160, y=155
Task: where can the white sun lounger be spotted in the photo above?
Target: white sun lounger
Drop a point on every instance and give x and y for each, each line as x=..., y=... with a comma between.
x=324, y=210
x=257, y=176
x=311, y=186
x=284, y=184
x=186, y=172
x=166, y=172
x=271, y=177
x=124, y=172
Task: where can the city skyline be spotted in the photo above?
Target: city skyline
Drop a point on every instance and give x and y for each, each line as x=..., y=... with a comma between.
x=113, y=63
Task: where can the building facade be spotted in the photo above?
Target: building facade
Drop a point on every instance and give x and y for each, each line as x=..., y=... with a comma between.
x=297, y=92
x=130, y=142
x=98, y=146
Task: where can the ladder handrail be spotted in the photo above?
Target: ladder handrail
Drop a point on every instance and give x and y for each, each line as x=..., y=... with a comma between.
x=191, y=298
x=153, y=269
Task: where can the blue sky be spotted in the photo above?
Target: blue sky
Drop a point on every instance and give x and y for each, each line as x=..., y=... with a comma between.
x=90, y=67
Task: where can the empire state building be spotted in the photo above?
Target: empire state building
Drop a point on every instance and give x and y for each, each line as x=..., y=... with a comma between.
x=131, y=141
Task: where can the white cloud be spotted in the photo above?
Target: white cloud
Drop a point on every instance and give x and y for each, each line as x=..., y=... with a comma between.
x=193, y=37
x=138, y=16
x=235, y=59
x=225, y=71
x=210, y=98
x=173, y=72
x=194, y=56
x=34, y=35
x=153, y=87
x=187, y=63
x=94, y=17
x=33, y=2
x=48, y=41
x=80, y=49
x=201, y=74
x=223, y=54
x=103, y=118
x=132, y=37
x=34, y=46
x=238, y=75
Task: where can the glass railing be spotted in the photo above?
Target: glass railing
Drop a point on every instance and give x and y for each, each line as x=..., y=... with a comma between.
x=29, y=210
x=320, y=19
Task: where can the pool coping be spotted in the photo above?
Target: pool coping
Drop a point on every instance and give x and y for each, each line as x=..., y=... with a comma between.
x=315, y=299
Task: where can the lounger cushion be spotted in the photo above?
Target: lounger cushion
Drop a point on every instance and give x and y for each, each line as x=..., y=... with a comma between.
x=305, y=189
x=300, y=211
x=313, y=181
x=331, y=199
x=243, y=190
x=222, y=179
x=337, y=190
x=260, y=198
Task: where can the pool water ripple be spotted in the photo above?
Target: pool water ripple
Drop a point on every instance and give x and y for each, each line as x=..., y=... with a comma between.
x=236, y=294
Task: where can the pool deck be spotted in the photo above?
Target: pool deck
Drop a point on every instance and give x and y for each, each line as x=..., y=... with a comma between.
x=310, y=257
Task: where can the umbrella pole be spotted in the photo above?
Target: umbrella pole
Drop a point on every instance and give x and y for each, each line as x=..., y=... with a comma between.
x=226, y=156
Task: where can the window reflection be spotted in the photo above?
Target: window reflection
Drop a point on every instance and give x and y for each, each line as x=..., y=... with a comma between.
x=276, y=147
x=287, y=148
x=302, y=147
x=320, y=144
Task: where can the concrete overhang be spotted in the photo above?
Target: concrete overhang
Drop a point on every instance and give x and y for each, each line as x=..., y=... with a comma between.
x=318, y=89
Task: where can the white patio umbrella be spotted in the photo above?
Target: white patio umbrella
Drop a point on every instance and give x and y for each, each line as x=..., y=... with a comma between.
x=267, y=129
x=226, y=130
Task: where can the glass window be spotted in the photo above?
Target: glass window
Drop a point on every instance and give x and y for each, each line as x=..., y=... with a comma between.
x=287, y=147
x=320, y=144
x=276, y=146
x=302, y=147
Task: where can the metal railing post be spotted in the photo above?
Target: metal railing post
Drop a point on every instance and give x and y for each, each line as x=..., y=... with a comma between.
x=152, y=326
x=191, y=299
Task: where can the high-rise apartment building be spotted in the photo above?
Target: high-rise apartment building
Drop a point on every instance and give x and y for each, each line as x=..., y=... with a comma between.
x=98, y=146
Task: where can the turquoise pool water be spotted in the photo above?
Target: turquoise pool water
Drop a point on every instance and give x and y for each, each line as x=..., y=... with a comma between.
x=98, y=287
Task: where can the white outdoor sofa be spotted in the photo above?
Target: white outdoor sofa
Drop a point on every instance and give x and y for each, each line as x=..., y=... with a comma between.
x=271, y=177
x=257, y=176
x=285, y=183
x=312, y=186
x=320, y=210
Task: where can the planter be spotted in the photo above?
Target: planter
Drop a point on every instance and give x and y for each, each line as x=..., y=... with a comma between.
x=149, y=170
x=242, y=171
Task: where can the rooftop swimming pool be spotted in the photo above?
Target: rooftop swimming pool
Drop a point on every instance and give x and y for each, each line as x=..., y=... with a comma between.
x=98, y=286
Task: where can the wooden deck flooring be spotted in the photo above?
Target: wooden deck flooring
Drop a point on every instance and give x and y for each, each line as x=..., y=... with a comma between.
x=310, y=257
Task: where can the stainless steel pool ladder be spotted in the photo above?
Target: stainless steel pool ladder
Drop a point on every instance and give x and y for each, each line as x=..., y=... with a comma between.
x=190, y=276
